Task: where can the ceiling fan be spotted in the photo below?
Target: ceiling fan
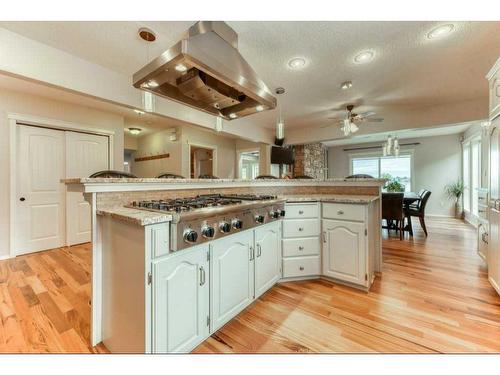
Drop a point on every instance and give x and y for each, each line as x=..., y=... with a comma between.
x=350, y=120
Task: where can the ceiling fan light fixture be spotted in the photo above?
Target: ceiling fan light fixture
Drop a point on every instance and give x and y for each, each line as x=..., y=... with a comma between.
x=134, y=131
x=346, y=85
x=297, y=63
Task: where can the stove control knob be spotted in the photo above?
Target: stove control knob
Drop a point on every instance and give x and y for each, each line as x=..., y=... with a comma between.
x=207, y=231
x=237, y=223
x=259, y=219
x=224, y=227
x=274, y=214
x=190, y=236
x=282, y=213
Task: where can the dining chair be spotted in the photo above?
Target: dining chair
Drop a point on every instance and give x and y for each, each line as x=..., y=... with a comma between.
x=359, y=176
x=419, y=210
x=392, y=210
x=266, y=177
x=208, y=176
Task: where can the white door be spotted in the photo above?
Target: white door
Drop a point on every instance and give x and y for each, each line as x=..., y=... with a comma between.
x=344, y=251
x=494, y=210
x=85, y=154
x=40, y=211
x=181, y=303
x=231, y=277
x=267, y=257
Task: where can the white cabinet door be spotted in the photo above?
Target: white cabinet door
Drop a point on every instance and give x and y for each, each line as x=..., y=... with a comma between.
x=231, y=277
x=181, y=302
x=85, y=154
x=267, y=257
x=40, y=196
x=344, y=251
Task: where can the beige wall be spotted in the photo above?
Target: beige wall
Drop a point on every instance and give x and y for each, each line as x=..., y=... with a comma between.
x=19, y=103
x=436, y=162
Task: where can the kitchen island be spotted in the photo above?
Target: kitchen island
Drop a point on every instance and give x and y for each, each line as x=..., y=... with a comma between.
x=146, y=297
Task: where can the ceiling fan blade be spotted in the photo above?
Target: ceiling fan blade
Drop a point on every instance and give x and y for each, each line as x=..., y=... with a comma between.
x=335, y=118
x=365, y=114
x=327, y=126
x=376, y=119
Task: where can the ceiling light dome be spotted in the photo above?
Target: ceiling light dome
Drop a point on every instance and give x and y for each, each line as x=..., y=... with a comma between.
x=297, y=63
x=134, y=131
x=440, y=31
x=364, y=57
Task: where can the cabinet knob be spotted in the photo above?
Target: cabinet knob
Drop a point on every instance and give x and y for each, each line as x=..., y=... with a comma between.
x=301, y=248
x=301, y=229
x=340, y=212
x=301, y=212
x=301, y=268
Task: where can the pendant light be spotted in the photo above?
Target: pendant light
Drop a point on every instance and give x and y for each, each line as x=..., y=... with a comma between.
x=391, y=146
x=148, y=99
x=280, y=122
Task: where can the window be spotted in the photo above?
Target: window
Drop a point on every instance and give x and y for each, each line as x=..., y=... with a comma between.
x=471, y=174
x=385, y=167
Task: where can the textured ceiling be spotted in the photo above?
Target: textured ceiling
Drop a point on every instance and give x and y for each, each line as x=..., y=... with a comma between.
x=409, y=70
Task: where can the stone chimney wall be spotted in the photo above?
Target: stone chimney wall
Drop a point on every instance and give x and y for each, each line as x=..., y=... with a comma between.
x=310, y=160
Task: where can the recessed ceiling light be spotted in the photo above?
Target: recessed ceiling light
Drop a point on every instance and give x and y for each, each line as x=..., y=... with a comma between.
x=134, y=131
x=440, y=31
x=364, y=57
x=139, y=112
x=346, y=85
x=180, y=67
x=297, y=63
x=259, y=108
x=232, y=115
x=153, y=84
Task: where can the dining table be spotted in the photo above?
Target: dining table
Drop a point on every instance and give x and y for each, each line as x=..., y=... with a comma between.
x=409, y=198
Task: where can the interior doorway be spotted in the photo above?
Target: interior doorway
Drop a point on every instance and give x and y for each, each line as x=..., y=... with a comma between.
x=201, y=161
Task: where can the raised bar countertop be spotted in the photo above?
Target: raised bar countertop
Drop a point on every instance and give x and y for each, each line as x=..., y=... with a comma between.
x=95, y=185
x=143, y=217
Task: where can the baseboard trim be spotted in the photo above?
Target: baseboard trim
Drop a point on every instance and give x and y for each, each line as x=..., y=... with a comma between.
x=442, y=216
x=494, y=285
x=5, y=257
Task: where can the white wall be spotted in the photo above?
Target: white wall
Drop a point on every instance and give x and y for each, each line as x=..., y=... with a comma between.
x=436, y=162
x=14, y=102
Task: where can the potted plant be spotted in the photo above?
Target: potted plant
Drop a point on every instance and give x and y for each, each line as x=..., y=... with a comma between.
x=455, y=191
x=393, y=184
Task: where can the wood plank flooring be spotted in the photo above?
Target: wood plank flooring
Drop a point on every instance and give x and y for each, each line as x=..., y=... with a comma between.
x=433, y=296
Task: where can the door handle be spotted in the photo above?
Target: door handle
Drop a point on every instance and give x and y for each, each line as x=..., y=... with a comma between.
x=259, y=250
x=202, y=276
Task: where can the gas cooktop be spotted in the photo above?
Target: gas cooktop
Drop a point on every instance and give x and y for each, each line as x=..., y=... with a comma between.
x=207, y=217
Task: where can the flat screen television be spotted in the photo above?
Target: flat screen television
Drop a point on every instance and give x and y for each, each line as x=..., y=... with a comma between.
x=281, y=155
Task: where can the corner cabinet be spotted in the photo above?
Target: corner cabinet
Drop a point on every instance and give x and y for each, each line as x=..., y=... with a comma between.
x=267, y=257
x=344, y=249
x=181, y=300
x=231, y=277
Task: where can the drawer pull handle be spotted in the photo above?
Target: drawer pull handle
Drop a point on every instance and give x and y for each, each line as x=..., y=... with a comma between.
x=301, y=248
x=301, y=268
x=301, y=212
x=340, y=212
x=301, y=229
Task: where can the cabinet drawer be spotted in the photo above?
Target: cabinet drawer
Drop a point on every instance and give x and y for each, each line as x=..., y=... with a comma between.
x=302, y=266
x=296, y=247
x=301, y=228
x=341, y=211
x=301, y=210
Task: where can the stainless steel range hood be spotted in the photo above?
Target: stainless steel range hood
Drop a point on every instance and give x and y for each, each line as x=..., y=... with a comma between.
x=205, y=71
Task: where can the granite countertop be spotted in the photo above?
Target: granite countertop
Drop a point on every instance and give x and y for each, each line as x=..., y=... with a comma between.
x=135, y=216
x=331, y=198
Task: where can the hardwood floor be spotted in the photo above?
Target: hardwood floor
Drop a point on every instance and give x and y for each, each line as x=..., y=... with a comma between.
x=433, y=296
